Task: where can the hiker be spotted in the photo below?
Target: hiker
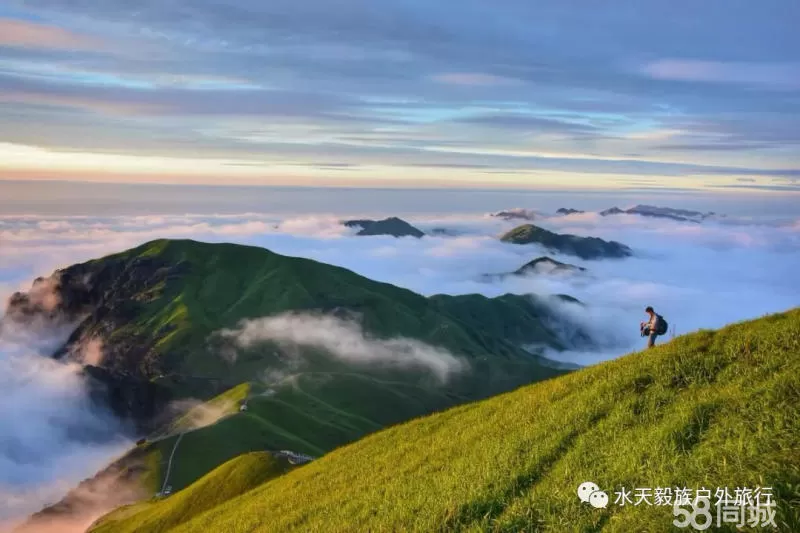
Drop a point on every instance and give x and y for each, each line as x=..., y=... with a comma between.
x=653, y=327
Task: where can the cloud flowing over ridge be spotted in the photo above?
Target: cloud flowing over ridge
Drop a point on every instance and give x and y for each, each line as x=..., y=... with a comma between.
x=346, y=341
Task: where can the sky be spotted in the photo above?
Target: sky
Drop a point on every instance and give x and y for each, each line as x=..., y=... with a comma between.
x=652, y=94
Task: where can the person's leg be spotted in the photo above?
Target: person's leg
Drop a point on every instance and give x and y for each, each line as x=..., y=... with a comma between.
x=651, y=340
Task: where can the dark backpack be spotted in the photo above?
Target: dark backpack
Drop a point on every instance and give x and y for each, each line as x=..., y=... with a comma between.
x=661, y=325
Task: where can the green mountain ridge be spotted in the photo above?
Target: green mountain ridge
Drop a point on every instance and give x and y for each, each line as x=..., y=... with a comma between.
x=158, y=310
x=393, y=226
x=583, y=247
x=708, y=409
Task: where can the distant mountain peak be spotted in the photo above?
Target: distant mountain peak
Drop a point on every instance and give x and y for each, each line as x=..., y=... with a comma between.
x=393, y=226
x=583, y=247
x=517, y=213
x=547, y=264
x=681, y=215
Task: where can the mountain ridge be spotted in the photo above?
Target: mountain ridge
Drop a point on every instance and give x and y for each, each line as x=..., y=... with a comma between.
x=392, y=226
x=147, y=303
x=583, y=247
x=158, y=310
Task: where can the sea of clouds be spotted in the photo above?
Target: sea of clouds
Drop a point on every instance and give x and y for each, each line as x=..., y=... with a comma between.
x=697, y=275
x=51, y=435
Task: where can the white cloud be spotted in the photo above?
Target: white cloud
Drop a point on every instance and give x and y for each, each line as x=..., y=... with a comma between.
x=776, y=75
x=52, y=435
x=195, y=414
x=346, y=341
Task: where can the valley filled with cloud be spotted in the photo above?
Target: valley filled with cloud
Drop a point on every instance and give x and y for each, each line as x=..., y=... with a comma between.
x=698, y=275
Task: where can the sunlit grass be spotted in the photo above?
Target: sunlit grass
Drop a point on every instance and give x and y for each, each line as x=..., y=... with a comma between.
x=235, y=477
x=713, y=408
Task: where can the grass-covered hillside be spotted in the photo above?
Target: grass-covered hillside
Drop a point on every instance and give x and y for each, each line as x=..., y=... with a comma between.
x=226, y=482
x=712, y=408
x=175, y=294
x=158, y=310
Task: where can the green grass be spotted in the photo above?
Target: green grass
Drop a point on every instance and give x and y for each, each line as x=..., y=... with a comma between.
x=329, y=402
x=226, y=283
x=307, y=413
x=228, y=481
x=713, y=408
x=225, y=404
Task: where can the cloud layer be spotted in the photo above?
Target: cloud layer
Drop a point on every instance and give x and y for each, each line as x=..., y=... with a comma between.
x=697, y=275
x=52, y=436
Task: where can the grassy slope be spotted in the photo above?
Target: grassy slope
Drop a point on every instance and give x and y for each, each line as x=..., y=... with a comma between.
x=327, y=405
x=713, y=408
x=227, y=283
x=225, y=404
x=235, y=477
x=295, y=419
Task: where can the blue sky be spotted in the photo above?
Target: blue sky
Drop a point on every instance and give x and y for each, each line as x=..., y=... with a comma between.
x=559, y=93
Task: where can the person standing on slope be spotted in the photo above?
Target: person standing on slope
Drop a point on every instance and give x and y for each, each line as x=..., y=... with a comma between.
x=649, y=328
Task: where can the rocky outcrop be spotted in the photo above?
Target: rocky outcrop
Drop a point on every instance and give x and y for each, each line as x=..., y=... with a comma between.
x=104, y=298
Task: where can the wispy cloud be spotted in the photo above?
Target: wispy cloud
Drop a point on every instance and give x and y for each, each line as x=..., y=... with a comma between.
x=778, y=76
x=27, y=34
x=473, y=79
x=345, y=340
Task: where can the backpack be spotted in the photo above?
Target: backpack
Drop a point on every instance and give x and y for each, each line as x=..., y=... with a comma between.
x=661, y=325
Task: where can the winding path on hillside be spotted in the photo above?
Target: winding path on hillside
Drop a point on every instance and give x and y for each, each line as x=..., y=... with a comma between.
x=169, y=464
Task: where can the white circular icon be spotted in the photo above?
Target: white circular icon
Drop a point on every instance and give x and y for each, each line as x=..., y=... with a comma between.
x=586, y=489
x=598, y=499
